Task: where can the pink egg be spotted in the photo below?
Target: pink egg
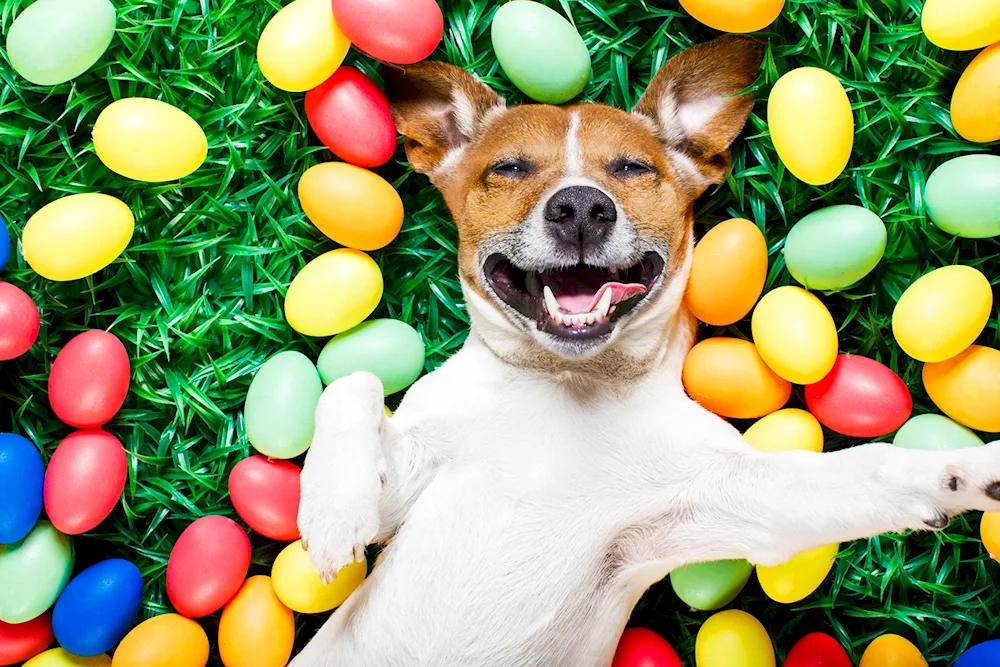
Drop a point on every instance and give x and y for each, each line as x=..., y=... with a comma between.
x=84, y=480
x=396, y=31
x=89, y=379
x=19, y=321
x=265, y=493
x=860, y=397
x=207, y=566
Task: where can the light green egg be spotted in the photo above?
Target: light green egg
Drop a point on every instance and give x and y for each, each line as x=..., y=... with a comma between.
x=834, y=247
x=390, y=349
x=711, y=585
x=935, y=432
x=963, y=196
x=53, y=41
x=540, y=51
x=281, y=405
x=33, y=572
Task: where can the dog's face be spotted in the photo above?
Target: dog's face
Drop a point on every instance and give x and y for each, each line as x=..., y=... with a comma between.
x=574, y=221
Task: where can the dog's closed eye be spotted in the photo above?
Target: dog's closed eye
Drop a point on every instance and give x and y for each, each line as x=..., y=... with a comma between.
x=512, y=168
x=627, y=168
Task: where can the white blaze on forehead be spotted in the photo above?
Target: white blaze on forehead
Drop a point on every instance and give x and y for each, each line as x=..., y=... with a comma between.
x=574, y=162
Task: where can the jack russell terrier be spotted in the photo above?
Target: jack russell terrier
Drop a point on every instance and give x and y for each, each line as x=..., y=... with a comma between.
x=536, y=484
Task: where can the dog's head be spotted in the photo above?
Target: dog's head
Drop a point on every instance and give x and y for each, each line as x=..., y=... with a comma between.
x=575, y=222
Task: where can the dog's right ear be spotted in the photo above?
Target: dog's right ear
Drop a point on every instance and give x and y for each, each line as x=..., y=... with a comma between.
x=439, y=109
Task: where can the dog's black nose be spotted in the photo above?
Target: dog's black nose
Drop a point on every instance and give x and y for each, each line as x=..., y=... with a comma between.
x=581, y=218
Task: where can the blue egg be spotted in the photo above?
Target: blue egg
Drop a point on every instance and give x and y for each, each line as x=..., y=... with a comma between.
x=98, y=607
x=21, y=477
x=986, y=654
x=4, y=244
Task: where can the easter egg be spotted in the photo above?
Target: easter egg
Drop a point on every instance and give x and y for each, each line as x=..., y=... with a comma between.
x=21, y=478
x=281, y=405
x=4, y=244
x=639, y=647
x=33, y=571
x=350, y=115
x=934, y=432
x=986, y=654
x=727, y=272
x=76, y=236
x=84, y=481
x=148, y=140
x=299, y=588
x=786, y=430
x=333, y=293
x=834, y=247
x=892, y=651
x=733, y=638
x=963, y=196
x=817, y=650
x=169, y=640
x=734, y=15
x=59, y=657
x=207, y=566
x=977, y=96
x=540, y=51
x=355, y=207
x=710, y=585
x=728, y=377
x=395, y=31
x=25, y=640
x=795, y=334
x=98, y=607
x=256, y=630
x=860, y=397
x=799, y=577
x=989, y=530
x=265, y=493
x=811, y=124
x=301, y=46
x=942, y=313
x=19, y=322
x=390, y=349
x=53, y=41
x=89, y=379
x=967, y=387
x=961, y=25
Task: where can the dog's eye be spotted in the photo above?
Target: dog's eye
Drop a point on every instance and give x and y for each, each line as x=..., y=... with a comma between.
x=626, y=168
x=511, y=168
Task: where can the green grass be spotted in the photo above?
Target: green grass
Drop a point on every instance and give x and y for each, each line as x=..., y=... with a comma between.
x=197, y=297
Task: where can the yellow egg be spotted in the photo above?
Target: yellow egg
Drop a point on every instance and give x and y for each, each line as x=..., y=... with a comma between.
x=942, y=313
x=989, y=529
x=355, y=207
x=786, y=430
x=727, y=272
x=58, y=657
x=977, y=97
x=733, y=639
x=811, y=124
x=256, y=630
x=799, y=577
x=734, y=15
x=299, y=587
x=892, y=651
x=728, y=377
x=961, y=25
x=301, y=45
x=967, y=387
x=795, y=334
x=148, y=140
x=333, y=293
x=76, y=236
x=169, y=640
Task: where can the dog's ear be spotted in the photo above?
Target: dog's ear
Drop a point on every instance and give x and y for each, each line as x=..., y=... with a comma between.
x=694, y=105
x=439, y=109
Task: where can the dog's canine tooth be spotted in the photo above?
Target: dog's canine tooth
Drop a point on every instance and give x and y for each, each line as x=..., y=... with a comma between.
x=550, y=302
x=604, y=304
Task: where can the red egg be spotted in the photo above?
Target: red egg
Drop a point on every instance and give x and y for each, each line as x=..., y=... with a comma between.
x=351, y=116
x=860, y=397
x=19, y=322
x=265, y=493
x=25, y=640
x=84, y=480
x=396, y=31
x=640, y=647
x=207, y=566
x=89, y=379
x=817, y=650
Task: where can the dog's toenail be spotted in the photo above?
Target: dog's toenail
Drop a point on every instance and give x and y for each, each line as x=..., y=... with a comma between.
x=993, y=490
x=939, y=522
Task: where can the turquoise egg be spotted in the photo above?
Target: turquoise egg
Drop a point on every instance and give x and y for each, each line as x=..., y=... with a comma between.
x=390, y=349
x=540, y=51
x=281, y=404
x=33, y=572
x=711, y=585
x=963, y=196
x=935, y=432
x=834, y=247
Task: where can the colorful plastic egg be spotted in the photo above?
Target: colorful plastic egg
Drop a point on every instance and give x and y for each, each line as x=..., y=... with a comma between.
x=961, y=25
x=98, y=607
x=53, y=41
x=256, y=630
x=986, y=654
x=58, y=657
x=892, y=651
x=734, y=15
x=728, y=377
x=4, y=244
x=207, y=566
x=733, y=639
x=299, y=587
x=860, y=397
x=989, y=530
x=798, y=578
x=89, y=379
x=540, y=51
x=34, y=572
x=977, y=96
x=333, y=293
x=811, y=124
x=265, y=493
x=963, y=196
x=21, y=478
x=817, y=650
x=786, y=430
x=301, y=46
x=281, y=405
x=19, y=322
x=967, y=387
x=639, y=647
x=795, y=334
x=834, y=247
x=84, y=480
x=390, y=349
x=395, y=31
x=934, y=432
x=727, y=272
x=76, y=236
x=711, y=585
x=25, y=640
x=355, y=207
x=169, y=640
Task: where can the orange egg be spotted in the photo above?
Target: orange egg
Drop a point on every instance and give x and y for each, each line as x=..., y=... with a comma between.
x=727, y=272
x=977, y=96
x=256, y=630
x=734, y=15
x=892, y=651
x=989, y=529
x=728, y=377
x=169, y=640
x=967, y=387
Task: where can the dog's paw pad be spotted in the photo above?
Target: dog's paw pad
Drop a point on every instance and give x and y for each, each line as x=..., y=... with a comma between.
x=993, y=490
x=939, y=522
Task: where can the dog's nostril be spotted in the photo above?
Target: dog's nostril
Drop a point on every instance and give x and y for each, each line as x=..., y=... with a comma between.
x=600, y=214
x=566, y=212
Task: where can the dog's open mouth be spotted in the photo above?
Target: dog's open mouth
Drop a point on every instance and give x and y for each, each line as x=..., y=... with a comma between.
x=580, y=301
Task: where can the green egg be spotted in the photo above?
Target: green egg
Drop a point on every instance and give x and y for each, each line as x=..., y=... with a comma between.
x=963, y=196
x=935, y=432
x=33, y=572
x=281, y=405
x=712, y=585
x=390, y=349
x=540, y=51
x=834, y=247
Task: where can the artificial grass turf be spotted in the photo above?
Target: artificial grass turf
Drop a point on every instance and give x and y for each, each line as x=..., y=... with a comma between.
x=197, y=297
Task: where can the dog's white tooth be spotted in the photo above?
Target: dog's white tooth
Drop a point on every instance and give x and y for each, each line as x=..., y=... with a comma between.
x=591, y=317
x=604, y=304
x=551, y=303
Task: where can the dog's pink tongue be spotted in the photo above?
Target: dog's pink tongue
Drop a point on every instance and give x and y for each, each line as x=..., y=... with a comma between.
x=585, y=302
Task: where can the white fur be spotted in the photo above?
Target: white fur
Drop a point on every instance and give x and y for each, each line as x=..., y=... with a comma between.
x=574, y=161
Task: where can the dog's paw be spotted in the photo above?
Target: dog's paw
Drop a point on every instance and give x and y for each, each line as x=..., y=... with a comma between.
x=969, y=480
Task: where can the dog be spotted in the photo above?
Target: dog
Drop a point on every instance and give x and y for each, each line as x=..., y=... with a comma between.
x=535, y=485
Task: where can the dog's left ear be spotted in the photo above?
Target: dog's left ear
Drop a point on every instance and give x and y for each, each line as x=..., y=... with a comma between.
x=695, y=106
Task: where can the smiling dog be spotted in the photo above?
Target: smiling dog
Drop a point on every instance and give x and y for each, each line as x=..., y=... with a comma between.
x=535, y=485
